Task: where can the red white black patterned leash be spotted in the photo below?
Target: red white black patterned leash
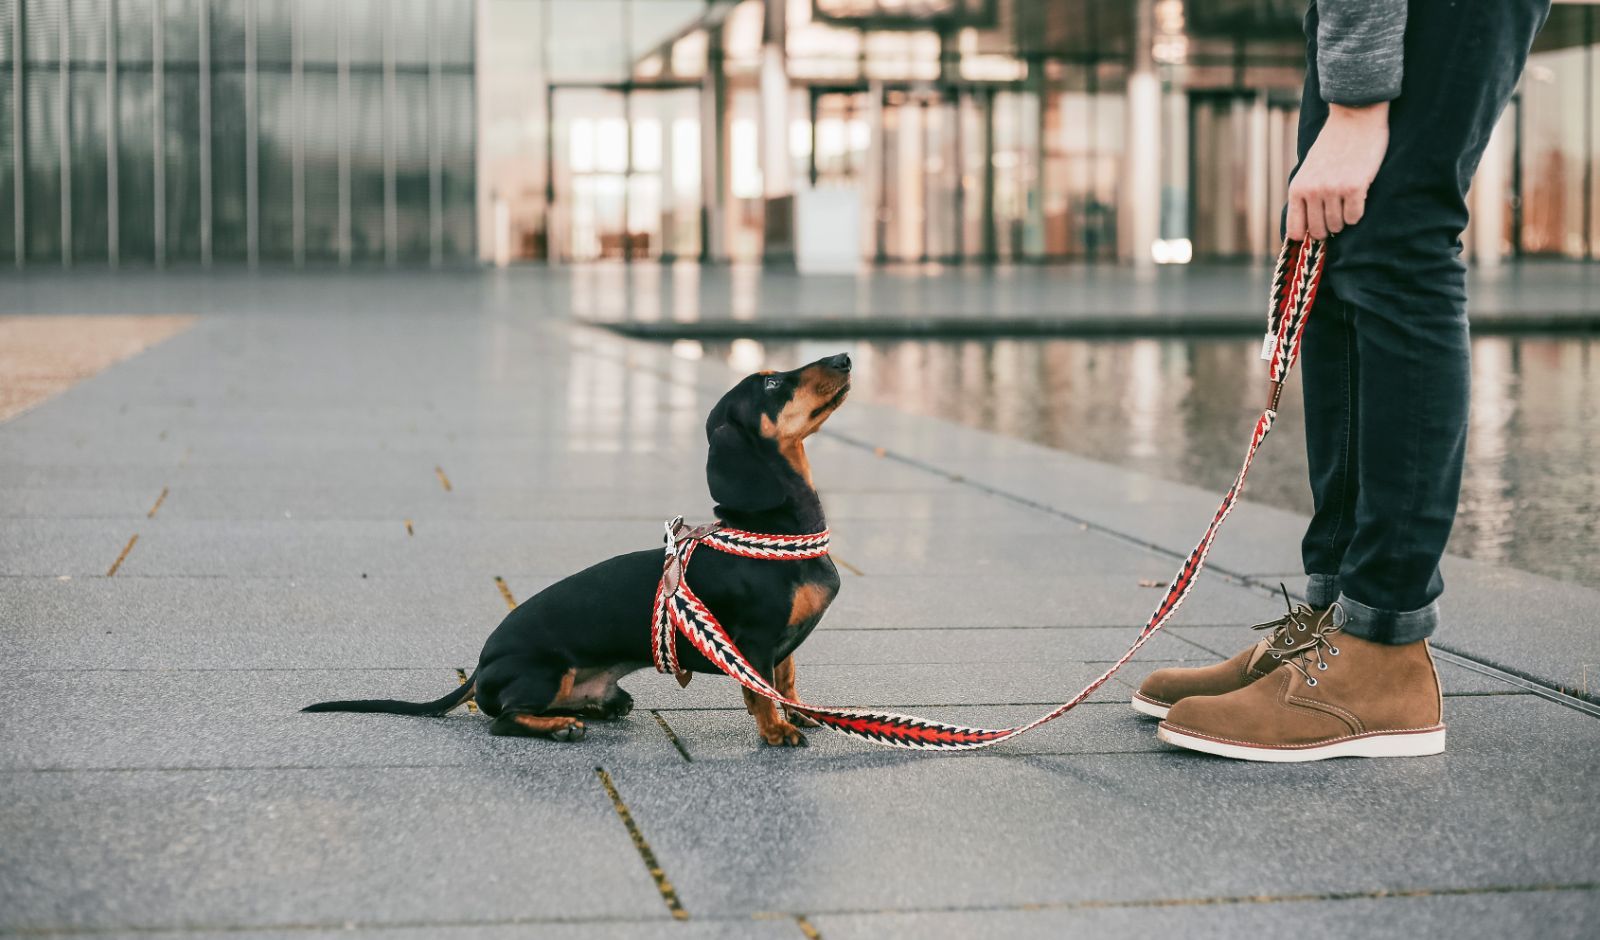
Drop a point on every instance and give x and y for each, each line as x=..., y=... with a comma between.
x=679, y=611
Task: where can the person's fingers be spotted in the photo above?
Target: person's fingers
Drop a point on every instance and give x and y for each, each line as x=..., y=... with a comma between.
x=1333, y=214
x=1355, y=206
x=1297, y=217
x=1316, y=226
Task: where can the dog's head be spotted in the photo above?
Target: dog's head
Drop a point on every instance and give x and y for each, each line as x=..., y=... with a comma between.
x=757, y=432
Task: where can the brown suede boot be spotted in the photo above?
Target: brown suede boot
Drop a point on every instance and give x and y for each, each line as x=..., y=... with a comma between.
x=1164, y=687
x=1341, y=696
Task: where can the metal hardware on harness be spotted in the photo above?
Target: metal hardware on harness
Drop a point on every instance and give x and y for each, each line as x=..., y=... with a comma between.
x=679, y=611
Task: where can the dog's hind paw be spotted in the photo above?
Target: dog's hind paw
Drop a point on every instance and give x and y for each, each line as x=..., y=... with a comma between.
x=784, y=734
x=569, y=733
x=555, y=728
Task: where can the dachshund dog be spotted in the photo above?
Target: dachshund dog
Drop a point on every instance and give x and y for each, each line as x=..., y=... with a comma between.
x=556, y=659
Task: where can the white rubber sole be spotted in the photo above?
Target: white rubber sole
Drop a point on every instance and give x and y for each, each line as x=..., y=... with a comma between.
x=1419, y=743
x=1147, y=706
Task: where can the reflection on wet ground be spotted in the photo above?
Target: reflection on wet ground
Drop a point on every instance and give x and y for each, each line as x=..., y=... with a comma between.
x=1179, y=409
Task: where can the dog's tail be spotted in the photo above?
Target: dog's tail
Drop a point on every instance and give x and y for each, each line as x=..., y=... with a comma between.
x=394, y=707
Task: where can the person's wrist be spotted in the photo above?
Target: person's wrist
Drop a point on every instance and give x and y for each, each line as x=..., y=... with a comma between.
x=1366, y=114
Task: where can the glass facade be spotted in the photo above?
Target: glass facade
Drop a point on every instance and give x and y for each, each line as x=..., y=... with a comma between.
x=277, y=131
x=429, y=131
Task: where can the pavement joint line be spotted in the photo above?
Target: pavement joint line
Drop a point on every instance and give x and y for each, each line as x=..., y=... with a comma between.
x=505, y=592
x=1226, y=900
x=1560, y=697
x=347, y=925
x=159, y=500
x=461, y=674
x=669, y=895
x=444, y=481
x=846, y=565
x=111, y=572
x=671, y=735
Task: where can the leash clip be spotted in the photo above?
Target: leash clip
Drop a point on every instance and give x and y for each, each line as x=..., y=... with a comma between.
x=673, y=525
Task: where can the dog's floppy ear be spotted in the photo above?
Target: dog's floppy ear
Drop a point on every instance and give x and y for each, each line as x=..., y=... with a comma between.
x=736, y=473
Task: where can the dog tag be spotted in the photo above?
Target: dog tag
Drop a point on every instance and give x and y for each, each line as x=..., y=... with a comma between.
x=683, y=679
x=1268, y=342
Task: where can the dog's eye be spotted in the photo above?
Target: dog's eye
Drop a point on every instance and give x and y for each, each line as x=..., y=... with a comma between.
x=773, y=383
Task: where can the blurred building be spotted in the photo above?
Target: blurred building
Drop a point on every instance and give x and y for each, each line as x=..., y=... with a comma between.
x=142, y=132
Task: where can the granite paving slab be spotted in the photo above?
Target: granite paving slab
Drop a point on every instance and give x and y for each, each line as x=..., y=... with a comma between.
x=981, y=831
x=216, y=849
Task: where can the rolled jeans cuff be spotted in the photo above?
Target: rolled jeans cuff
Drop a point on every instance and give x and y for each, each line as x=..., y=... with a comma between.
x=1322, y=590
x=1391, y=627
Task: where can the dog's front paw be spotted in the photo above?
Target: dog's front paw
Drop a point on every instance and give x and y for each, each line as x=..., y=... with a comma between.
x=800, y=720
x=783, y=734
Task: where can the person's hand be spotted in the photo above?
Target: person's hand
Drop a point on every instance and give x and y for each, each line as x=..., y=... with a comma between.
x=1330, y=189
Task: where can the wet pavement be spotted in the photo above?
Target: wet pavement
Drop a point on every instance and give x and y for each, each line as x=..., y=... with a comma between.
x=1177, y=409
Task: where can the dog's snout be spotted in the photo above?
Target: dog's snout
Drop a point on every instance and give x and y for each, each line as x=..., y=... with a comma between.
x=840, y=362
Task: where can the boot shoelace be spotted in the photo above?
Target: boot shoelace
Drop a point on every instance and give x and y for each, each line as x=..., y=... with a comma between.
x=1311, y=655
x=1289, y=629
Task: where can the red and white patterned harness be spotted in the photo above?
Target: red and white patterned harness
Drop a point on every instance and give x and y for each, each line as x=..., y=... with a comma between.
x=678, y=611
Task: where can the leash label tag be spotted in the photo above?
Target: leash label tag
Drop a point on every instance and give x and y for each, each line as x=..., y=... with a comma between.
x=1268, y=342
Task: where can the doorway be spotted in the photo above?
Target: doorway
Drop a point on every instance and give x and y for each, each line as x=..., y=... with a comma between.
x=624, y=173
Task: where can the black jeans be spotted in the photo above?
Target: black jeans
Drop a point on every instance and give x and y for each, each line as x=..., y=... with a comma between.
x=1386, y=365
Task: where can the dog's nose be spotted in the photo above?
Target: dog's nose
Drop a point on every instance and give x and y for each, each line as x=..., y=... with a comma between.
x=840, y=362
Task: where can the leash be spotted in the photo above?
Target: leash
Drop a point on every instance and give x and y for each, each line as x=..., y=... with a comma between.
x=679, y=611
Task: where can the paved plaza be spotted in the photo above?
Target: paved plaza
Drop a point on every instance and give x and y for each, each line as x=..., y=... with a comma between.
x=331, y=485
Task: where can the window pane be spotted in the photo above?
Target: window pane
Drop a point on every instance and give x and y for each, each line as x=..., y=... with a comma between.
x=275, y=143
x=410, y=141
x=320, y=121
x=365, y=127
x=181, y=152
x=88, y=154
x=135, y=167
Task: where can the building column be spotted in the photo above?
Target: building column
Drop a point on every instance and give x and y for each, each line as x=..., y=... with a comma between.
x=713, y=151
x=778, y=229
x=1141, y=203
x=1488, y=225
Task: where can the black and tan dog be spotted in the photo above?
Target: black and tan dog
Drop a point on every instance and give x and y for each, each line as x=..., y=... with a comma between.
x=557, y=657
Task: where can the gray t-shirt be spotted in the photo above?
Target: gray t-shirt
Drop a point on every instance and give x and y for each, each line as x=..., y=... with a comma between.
x=1360, y=50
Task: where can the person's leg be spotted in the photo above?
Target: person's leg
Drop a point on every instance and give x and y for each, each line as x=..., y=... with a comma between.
x=1329, y=367
x=1395, y=329
x=1401, y=290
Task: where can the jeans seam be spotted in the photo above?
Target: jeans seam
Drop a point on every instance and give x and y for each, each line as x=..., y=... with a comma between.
x=1344, y=451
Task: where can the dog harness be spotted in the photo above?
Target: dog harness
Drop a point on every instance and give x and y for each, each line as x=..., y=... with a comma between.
x=678, y=611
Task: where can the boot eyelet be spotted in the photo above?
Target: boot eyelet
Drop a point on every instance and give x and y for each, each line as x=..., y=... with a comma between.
x=1334, y=650
x=1288, y=641
x=1311, y=680
x=1276, y=655
x=1321, y=665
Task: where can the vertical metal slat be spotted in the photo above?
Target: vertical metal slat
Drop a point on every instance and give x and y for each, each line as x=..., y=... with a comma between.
x=252, y=169
x=298, y=108
x=390, y=121
x=64, y=133
x=205, y=132
x=113, y=128
x=435, y=127
x=343, y=125
x=19, y=125
x=158, y=81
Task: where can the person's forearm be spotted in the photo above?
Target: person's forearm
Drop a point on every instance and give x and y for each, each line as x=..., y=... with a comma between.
x=1360, y=50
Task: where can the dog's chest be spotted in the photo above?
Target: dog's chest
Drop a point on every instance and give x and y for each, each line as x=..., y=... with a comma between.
x=812, y=592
